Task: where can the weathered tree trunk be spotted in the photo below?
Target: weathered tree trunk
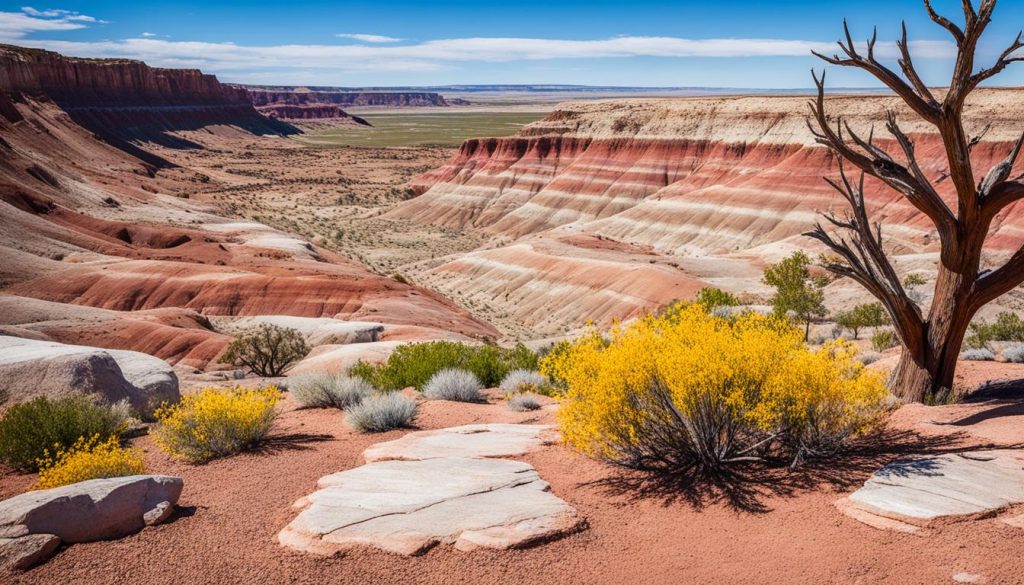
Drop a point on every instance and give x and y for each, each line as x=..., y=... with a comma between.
x=928, y=363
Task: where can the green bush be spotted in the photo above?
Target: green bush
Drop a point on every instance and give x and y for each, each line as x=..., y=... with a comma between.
x=1007, y=327
x=30, y=429
x=883, y=339
x=415, y=363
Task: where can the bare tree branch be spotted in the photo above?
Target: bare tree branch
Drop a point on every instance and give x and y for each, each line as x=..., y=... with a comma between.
x=924, y=107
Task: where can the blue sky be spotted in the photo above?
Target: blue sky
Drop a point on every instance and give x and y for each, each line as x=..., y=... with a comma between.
x=743, y=43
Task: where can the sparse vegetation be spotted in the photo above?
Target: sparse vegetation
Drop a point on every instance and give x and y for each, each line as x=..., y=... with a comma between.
x=30, y=429
x=523, y=402
x=455, y=385
x=978, y=355
x=329, y=390
x=216, y=422
x=690, y=390
x=712, y=298
x=382, y=412
x=524, y=381
x=267, y=350
x=87, y=459
x=412, y=365
x=1014, y=355
x=798, y=293
x=861, y=316
x=883, y=339
x=1007, y=327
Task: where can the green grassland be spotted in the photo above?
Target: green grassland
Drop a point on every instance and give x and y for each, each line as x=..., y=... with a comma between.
x=422, y=129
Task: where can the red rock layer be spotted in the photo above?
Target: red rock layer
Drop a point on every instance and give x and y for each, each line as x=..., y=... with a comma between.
x=123, y=100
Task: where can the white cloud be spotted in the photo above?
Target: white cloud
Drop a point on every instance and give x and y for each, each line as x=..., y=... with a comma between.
x=148, y=35
x=368, y=38
x=15, y=25
x=434, y=54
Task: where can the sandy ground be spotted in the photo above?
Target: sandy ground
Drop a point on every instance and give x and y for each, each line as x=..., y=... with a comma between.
x=768, y=526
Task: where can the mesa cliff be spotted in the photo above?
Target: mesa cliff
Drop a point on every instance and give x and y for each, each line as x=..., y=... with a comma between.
x=394, y=99
x=698, y=191
x=124, y=100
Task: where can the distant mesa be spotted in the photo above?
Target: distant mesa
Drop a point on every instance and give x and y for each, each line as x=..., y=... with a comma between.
x=124, y=101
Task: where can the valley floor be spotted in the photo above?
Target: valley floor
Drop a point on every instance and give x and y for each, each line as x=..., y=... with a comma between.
x=773, y=527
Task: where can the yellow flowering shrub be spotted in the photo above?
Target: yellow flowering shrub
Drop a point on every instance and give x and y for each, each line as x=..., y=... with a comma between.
x=686, y=388
x=87, y=459
x=216, y=422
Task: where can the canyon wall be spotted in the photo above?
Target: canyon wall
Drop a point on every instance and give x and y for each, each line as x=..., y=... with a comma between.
x=99, y=245
x=394, y=99
x=714, y=187
x=124, y=100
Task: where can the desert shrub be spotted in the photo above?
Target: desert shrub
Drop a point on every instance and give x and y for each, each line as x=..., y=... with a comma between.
x=382, y=412
x=524, y=381
x=453, y=384
x=267, y=350
x=860, y=316
x=523, y=402
x=712, y=298
x=413, y=364
x=329, y=390
x=689, y=389
x=1014, y=354
x=883, y=339
x=978, y=355
x=29, y=429
x=869, y=357
x=87, y=459
x=1007, y=327
x=216, y=423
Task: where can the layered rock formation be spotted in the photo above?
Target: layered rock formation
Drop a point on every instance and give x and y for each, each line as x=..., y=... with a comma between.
x=124, y=100
x=92, y=227
x=713, y=186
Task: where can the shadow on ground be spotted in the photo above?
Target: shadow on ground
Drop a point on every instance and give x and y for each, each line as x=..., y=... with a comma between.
x=747, y=488
x=291, y=442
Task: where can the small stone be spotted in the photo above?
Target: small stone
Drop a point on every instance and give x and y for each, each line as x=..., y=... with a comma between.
x=27, y=551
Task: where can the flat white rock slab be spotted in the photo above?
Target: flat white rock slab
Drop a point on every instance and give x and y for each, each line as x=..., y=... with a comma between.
x=480, y=440
x=915, y=493
x=407, y=507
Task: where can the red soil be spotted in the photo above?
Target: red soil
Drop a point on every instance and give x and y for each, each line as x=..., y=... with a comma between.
x=781, y=529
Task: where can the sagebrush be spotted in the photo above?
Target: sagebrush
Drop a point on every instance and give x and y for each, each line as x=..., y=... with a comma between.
x=216, y=422
x=30, y=429
x=523, y=402
x=382, y=412
x=453, y=384
x=525, y=381
x=691, y=390
x=329, y=390
x=92, y=458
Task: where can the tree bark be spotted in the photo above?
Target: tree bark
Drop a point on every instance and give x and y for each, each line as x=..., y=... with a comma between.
x=928, y=363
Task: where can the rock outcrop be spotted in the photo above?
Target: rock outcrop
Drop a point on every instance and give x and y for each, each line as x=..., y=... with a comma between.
x=30, y=368
x=311, y=112
x=911, y=495
x=479, y=440
x=34, y=524
x=407, y=507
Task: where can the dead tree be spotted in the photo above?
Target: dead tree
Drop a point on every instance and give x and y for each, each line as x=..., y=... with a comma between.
x=932, y=342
